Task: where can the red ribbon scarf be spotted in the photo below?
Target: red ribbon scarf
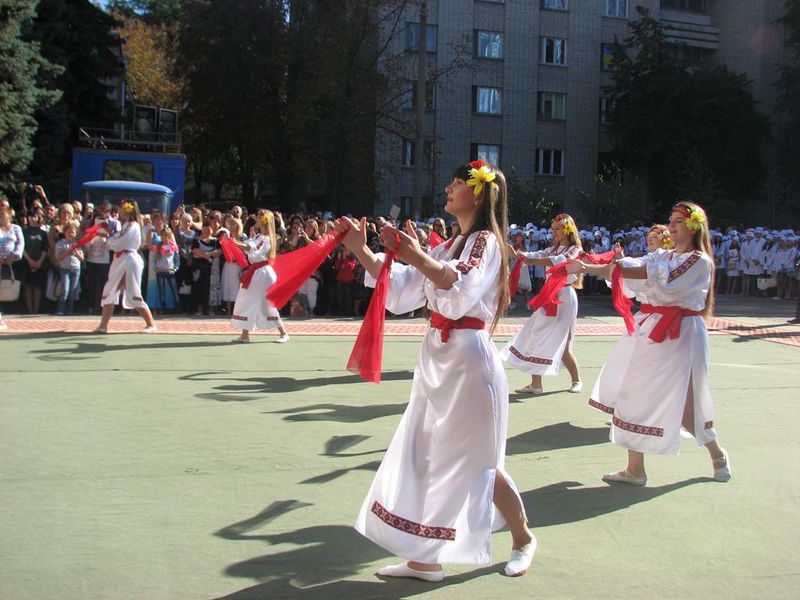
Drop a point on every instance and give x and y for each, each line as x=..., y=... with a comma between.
x=435, y=239
x=294, y=268
x=670, y=322
x=88, y=235
x=513, y=278
x=231, y=252
x=367, y=355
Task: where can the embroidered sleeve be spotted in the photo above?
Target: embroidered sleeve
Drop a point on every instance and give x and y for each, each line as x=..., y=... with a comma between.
x=683, y=267
x=475, y=255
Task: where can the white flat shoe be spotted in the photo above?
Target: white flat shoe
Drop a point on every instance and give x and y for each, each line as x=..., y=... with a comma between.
x=520, y=560
x=282, y=339
x=625, y=477
x=405, y=571
x=149, y=329
x=528, y=390
x=100, y=330
x=722, y=473
x=576, y=387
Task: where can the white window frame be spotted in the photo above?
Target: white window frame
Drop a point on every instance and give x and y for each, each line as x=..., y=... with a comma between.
x=556, y=42
x=499, y=100
x=498, y=44
x=617, y=9
x=486, y=152
x=546, y=162
x=554, y=99
x=565, y=4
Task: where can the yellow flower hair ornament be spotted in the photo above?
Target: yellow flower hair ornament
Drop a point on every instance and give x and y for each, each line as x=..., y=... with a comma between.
x=694, y=216
x=479, y=176
x=266, y=219
x=127, y=206
x=667, y=243
x=566, y=223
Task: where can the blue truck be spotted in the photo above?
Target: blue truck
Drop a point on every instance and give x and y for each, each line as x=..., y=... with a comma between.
x=153, y=179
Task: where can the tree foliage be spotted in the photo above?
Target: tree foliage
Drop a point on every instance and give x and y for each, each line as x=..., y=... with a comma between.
x=665, y=110
x=25, y=87
x=529, y=202
x=788, y=84
x=617, y=200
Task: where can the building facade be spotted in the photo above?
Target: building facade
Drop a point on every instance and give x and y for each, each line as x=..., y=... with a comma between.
x=527, y=93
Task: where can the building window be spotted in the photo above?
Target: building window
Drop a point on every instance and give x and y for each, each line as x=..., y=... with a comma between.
x=412, y=38
x=488, y=152
x=554, y=4
x=409, y=97
x=688, y=5
x=552, y=106
x=606, y=105
x=486, y=101
x=615, y=8
x=488, y=44
x=608, y=59
x=408, y=154
x=552, y=51
x=549, y=161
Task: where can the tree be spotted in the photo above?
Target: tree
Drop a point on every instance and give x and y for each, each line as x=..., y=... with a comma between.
x=788, y=117
x=79, y=37
x=161, y=13
x=25, y=88
x=664, y=110
x=528, y=202
x=617, y=200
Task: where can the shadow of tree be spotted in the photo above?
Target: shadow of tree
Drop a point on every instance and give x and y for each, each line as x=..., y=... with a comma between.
x=569, y=501
x=100, y=348
x=341, y=412
x=252, y=388
x=553, y=437
x=335, y=445
x=370, y=466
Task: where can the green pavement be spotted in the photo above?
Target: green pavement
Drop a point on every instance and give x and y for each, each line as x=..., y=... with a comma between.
x=186, y=467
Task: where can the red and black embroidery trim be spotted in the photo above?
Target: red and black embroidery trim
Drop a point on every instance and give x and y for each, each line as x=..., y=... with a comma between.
x=238, y=318
x=475, y=255
x=634, y=428
x=683, y=267
x=530, y=359
x=709, y=425
x=601, y=406
x=426, y=531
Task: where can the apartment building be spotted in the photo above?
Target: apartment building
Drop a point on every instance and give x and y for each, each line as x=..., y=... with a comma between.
x=530, y=96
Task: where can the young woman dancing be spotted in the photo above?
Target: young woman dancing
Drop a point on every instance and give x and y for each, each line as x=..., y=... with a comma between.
x=667, y=352
x=125, y=274
x=252, y=310
x=545, y=341
x=441, y=488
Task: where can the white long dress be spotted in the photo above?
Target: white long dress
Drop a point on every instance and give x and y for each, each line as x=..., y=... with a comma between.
x=431, y=499
x=537, y=348
x=643, y=384
x=252, y=310
x=126, y=268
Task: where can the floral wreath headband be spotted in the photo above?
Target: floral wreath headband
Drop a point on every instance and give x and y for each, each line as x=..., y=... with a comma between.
x=266, y=219
x=127, y=206
x=566, y=222
x=695, y=217
x=479, y=175
x=662, y=233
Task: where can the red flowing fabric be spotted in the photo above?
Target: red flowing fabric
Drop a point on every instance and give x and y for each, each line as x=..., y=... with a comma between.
x=670, y=321
x=88, y=235
x=548, y=295
x=294, y=268
x=445, y=325
x=622, y=304
x=435, y=239
x=513, y=278
x=367, y=354
x=231, y=252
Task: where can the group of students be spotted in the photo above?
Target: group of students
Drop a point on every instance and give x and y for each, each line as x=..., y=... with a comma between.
x=442, y=488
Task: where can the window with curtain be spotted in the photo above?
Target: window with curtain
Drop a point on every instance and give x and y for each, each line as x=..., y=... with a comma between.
x=487, y=101
x=488, y=44
x=553, y=51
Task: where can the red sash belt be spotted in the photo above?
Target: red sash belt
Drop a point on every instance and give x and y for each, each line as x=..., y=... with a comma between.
x=670, y=321
x=247, y=277
x=121, y=252
x=445, y=325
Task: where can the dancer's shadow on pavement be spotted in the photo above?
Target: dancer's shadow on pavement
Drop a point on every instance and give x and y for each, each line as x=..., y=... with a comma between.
x=341, y=413
x=246, y=389
x=79, y=348
x=336, y=444
x=326, y=555
x=553, y=437
x=570, y=501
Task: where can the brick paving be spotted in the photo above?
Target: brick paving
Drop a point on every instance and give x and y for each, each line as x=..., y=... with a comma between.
x=781, y=333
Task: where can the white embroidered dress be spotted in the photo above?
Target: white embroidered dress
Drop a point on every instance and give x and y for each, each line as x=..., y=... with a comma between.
x=252, y=310
x=431, y=499
x=126, y=268
x=643, y=384
x=537, y=348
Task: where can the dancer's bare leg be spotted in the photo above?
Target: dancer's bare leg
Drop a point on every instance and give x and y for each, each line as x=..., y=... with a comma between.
x=570, y=362
x=509, y=505
x=145, y=313
x=713, y=447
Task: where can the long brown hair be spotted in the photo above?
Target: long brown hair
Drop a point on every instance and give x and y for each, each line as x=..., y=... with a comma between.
x=702, y=242
x=265, y=222
x=493, y=216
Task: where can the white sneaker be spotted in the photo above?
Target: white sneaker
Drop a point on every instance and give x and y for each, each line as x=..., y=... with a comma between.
x=576, y=387
x=284, y=337
x=149, y=329
x=520, y=560
x=405, y=571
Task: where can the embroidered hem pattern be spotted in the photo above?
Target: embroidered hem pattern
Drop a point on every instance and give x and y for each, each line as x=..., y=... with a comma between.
x=530, y=359
x=708, y=425
x=683, y=267
x=634, y=428
x=601, y=406
x=475, y=255
x=238, y=318
x=418, y=529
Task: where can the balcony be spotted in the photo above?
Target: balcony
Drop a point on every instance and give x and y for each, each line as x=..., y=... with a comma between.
x=686, y=21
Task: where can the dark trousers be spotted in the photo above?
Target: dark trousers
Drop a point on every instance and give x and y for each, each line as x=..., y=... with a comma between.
x=95, y=277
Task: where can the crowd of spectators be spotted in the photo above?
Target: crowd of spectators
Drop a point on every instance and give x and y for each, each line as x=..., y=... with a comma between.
x=185, y=272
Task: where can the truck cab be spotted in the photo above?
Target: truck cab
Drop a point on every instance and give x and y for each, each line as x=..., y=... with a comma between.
x=148, y=196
